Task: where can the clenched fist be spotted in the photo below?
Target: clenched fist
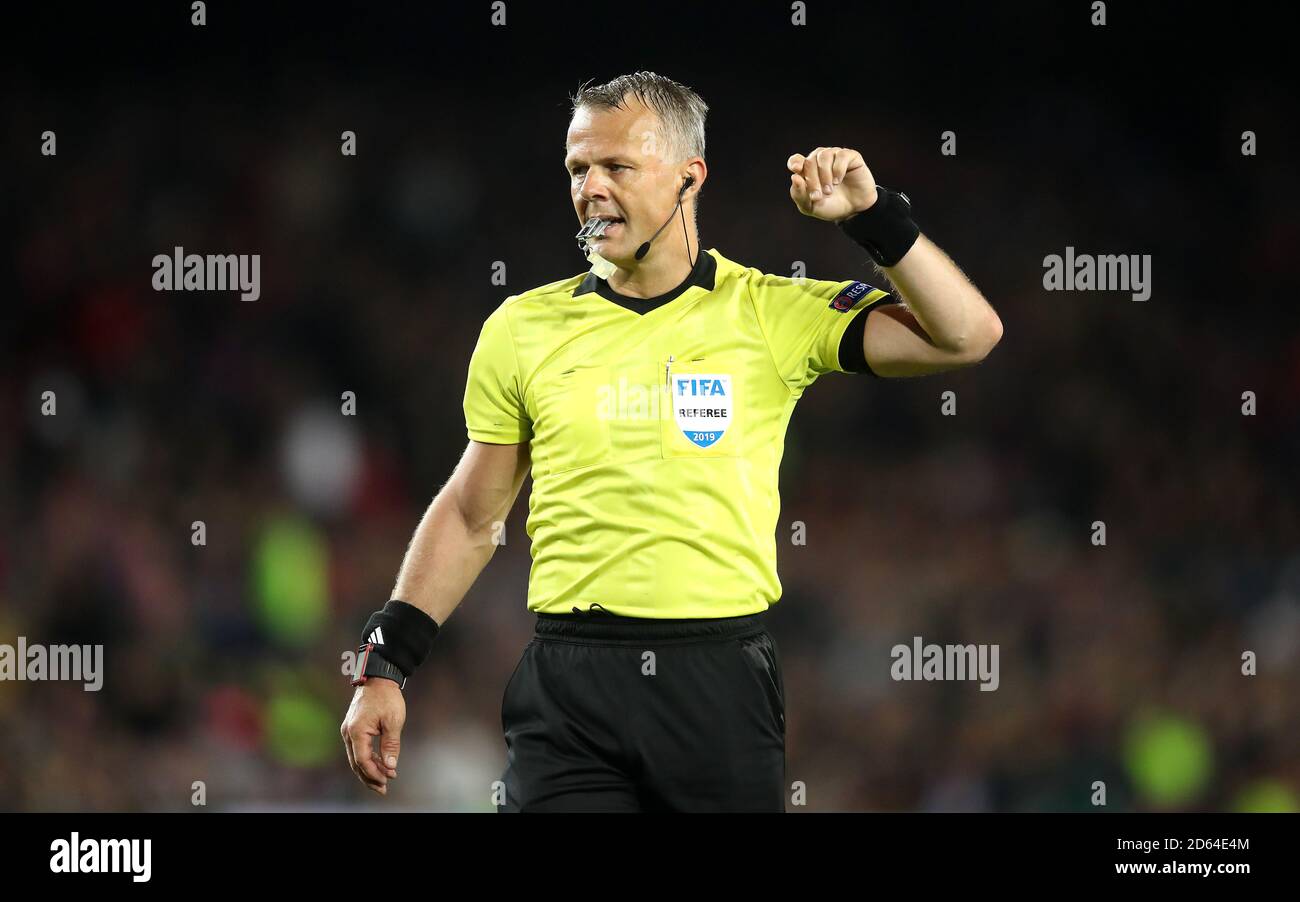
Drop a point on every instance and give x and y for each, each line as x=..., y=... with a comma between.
x=831, y=183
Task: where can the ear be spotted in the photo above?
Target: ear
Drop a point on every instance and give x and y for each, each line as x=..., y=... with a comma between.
x=696, y=174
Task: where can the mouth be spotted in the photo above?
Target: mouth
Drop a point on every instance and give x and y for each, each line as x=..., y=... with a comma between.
x=615, y=226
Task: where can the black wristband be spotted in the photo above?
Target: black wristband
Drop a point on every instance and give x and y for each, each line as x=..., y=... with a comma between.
x=885, y=229
x=402, y=634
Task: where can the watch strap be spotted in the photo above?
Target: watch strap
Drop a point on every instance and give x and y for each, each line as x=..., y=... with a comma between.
x=370, y=663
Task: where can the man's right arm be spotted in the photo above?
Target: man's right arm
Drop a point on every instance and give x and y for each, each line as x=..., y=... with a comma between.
x=460, y=530
x=451, y=546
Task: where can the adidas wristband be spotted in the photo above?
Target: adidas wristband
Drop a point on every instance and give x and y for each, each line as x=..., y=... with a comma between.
x=402, y=634
x=885, y=229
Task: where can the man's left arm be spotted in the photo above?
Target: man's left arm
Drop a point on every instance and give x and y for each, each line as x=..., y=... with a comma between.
x=947, y=322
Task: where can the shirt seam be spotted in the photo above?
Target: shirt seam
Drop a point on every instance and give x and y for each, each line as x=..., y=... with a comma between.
x=762, y=330
x=514, y=355
x=507, y=438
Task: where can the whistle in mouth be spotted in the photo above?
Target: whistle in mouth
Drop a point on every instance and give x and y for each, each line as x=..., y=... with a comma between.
x=594, y=228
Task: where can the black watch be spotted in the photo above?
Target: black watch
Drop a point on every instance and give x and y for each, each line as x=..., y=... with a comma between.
x=372, y=664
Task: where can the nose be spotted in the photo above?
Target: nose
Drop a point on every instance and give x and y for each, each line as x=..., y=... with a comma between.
x=593, y=186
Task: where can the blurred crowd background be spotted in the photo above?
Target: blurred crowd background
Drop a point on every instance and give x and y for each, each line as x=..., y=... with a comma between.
x=1120, y=663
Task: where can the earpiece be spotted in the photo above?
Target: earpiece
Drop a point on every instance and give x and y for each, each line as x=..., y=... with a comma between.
x=645, y=248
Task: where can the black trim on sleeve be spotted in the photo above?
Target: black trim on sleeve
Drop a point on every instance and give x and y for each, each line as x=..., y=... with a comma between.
x=853, y=358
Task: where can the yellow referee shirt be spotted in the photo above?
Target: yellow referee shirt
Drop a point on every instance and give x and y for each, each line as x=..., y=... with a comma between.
x=657, y=427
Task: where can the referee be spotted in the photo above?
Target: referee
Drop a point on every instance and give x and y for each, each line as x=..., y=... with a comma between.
x=650, y=397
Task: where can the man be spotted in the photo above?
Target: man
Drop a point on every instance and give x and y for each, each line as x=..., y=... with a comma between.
x=652, y=406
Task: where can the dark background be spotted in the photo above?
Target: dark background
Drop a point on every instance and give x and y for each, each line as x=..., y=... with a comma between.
x=1119, y=663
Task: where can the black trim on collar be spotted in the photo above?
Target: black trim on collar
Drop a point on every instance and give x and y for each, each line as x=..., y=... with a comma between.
x=702, y=275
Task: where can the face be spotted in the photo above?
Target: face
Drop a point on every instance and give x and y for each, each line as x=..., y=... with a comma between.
x=616, y=165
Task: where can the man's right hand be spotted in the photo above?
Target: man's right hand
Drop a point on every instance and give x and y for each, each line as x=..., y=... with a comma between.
x=377, y=709
x=455, y=539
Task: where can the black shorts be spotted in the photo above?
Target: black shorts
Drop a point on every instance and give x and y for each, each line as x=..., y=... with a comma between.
x=607, y=713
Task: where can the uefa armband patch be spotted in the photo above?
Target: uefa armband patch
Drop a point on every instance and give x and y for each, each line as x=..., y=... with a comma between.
x=851, y=294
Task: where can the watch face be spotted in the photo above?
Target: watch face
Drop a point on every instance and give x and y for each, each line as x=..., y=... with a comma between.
x=363, y=658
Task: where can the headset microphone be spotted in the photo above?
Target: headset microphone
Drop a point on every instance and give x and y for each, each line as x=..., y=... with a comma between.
x=645, y=248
